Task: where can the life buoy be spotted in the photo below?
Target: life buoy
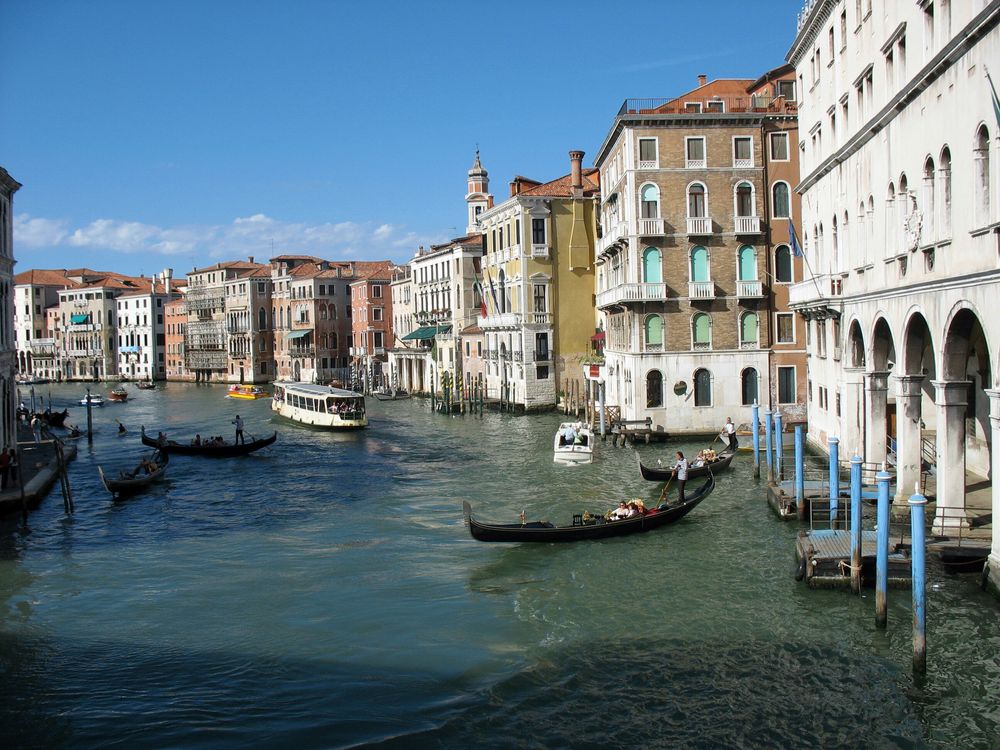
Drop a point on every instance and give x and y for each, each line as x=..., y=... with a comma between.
x=800, y=572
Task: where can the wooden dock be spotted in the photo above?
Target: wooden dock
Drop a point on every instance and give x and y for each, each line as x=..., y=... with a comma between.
x=824, y=559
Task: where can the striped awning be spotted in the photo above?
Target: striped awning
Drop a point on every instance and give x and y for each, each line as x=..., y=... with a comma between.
x=299, y=334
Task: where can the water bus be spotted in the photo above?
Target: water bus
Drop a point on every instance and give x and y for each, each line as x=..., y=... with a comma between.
x=320, y=405
x=249, y=392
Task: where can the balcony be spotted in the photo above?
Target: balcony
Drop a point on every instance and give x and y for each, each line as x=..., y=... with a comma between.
x=302, y=351
x=701, y=290
x=85, y=352
x=83, y=327
x=749, y=289
x=503, y=320
x=702, y=346
x=699, y=225
x=42, y=347
x=612, y=234
x=695, y=163
x=538, y=318
x=816, y=291
x=539, y=251
x=651, y=227
x=632, y=293
x=754, y=344
x=738, y=103
x=649, y=164
x=747, y=225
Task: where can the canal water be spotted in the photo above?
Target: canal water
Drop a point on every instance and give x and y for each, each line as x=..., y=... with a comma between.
x=325, y=593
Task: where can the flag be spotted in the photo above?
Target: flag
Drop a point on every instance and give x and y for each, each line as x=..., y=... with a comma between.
x=793, y=238
x=482, y=297
x=993, y=93
x=493, y=292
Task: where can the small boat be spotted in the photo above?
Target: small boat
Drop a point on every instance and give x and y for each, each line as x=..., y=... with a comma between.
x=118, y=393
x=392, y=394
x=585, y=526
x=249, y=392
x=54, y=418
x=130, y=482
x=31, y=380
x=320, y=405
x=663, y=473
x=573, y=444
x=94, y=399
x=146, y=385
x=206, y=447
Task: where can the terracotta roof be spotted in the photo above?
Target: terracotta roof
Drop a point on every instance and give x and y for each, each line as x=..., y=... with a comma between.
x=310, y=258
x=263, y=271
x=562, y=187
x=472, y=330
x=237, y=264
x=45, y=277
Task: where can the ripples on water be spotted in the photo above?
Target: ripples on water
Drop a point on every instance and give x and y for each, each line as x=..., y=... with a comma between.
x=325, y=593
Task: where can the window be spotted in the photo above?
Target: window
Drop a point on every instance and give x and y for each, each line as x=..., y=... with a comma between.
x=701, y=331
x=716, y=105
x=654, y=389
x=692, y=107
x=539, y=297
x=542, y=347
x=742, y=152
x=783, y=264
x=647, y=153
x=781, y=205
x=378, y=339
x=650, y=202
x=744, y=200
x=784, y=324
x=538, y=231
x=699, y=264
x=982, y=184
x=749, y=331
x=542, y=372
x=945, y=171
x=786, y=385
x=654, y=332
x=695, y=153
x=748, y=386
x=696, y=201
x=376, y=313
x=747, y=264
x=779, y=146
x=702, y=388
x=652, y=267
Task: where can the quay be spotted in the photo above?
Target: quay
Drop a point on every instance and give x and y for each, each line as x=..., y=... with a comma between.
x=39, y=467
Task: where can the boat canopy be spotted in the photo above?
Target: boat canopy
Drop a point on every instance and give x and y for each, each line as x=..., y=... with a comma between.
x=424, y=333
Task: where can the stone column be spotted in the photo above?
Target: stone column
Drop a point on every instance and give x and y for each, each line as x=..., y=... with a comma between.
x=877, y=392
x=951, y=398
x=908, y=396
x=993, y=563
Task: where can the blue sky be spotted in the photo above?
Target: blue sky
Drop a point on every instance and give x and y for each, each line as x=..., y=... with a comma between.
x=154, y=134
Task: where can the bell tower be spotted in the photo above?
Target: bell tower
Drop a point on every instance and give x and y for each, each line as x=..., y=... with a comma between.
x=478, y=197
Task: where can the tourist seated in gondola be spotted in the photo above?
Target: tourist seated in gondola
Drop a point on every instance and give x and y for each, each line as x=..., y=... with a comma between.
x=621, y=512
x=197, y=440
x=633, y=510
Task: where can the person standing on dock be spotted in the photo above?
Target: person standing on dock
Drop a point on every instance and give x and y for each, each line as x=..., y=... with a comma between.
x=729, y=430
x=681, y=471
x=36, y=428
x=239, y=430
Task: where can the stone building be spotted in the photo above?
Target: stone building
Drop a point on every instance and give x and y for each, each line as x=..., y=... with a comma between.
x=36, y=297
x=371, y=324
x=175, y=323
x=8, y=354
x=141, y=324
x=249, y=335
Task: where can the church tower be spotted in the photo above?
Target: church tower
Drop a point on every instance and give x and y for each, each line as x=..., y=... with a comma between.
x=478, y=199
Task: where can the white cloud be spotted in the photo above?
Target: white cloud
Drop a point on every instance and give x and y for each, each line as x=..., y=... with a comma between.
x=259, y=235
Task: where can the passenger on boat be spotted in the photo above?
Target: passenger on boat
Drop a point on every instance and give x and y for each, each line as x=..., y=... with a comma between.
x=620, y=512
x=633, y=510
x=569, y=435
x=121, y=428
x=197, y=440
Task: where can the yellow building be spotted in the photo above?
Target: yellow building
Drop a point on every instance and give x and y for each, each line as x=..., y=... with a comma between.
x=538, y=281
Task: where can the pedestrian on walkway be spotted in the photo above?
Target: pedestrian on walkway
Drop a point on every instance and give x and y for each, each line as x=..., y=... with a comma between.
x=239, y=430
x=36, y=428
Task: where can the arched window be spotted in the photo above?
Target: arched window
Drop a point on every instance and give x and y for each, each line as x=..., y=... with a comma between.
x=749, y=328
x=702, y=388
x=333, y=340
x=281, y=317
x=654, y=332
x=701, y=331
x=652, y=267
x=748, y=264
x=945, y=170
x=783, y=264
x=697, y=201
x=744, y=199
x=654, y=389
x=927, y=230
x=982, y=187
x=262, y=319
x=748, y=386
x=781, y=207
x=503, y=292
x=650, y=202
x=699, y=264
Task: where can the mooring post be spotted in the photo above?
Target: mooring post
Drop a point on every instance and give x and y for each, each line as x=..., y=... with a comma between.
x=90, y=418
x=800, y=480
x=778, y=446
x=918, y=556
x=882, y=547
x=856, y=524
x=755, y=426
x=834, y=443
x=768, y=426
x=602, y=411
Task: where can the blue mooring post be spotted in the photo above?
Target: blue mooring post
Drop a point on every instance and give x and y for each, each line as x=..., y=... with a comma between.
x=917, y=505
x=767, y=442
x=778, y=447
x=856, y=524
x=834, y=444
x=882, y=547
x=800, y=471
x=755, y=426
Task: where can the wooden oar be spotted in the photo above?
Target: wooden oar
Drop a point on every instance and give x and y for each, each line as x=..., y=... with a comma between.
x=663, y=494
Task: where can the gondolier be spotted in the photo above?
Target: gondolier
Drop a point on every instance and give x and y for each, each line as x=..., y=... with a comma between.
x=729, y=430
x=681, y=470
x=239, y=430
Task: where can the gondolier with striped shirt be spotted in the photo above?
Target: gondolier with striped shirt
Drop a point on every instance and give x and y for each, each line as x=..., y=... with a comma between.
x=239, y=431
x=681, y=471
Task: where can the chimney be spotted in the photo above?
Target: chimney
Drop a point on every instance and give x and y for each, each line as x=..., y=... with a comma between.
x=167, y=275
x=702, y=79
x=576, y=172
x=250, y=258
x=515, y=187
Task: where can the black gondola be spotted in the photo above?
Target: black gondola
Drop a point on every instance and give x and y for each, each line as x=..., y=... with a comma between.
x=398, y=394
x=53, y=418
x=224, y=450
x=543, y=531
x=130, y=483
x=663, y=473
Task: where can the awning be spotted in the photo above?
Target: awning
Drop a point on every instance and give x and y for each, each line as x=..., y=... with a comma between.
x=129, y=349
x=299, y=334
x=424, y=333
x=77, y=319
x=599, y=336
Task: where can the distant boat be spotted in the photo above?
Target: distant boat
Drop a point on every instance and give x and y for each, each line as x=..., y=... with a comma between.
x=31, y=380
x=320, y=405
x=392, y=394
x=578, y=449
x=249, y=392
x=130, y=482
x=207, y=447
x=146, y=385
x=118, y=393
x=94, y=399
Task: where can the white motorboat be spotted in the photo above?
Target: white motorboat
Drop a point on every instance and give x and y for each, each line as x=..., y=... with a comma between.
x=95, y=400
x=319, y=405
x=573, y=443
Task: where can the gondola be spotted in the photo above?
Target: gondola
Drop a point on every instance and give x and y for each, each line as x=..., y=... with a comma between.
x=663, y=473
x=54, y=418
x=226, y=450
x=397, y=394
x=598, y=528
x=147, y=472
x=146, y=385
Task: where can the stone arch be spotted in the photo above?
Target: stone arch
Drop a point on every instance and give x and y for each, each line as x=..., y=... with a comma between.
x=918, y=346
x=965, y=348
x=882, y=356
x=856, y=344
